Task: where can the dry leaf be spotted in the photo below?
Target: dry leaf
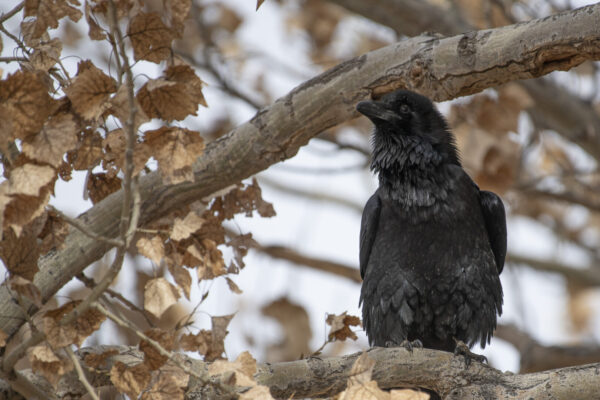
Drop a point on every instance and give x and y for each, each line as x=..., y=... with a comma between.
x=159, y=295
x=408, y=394
x=232, y=286
x=130, y=380
x=46, y=55
x=48, y=12
x=100, y=185
x=90, y=91
x=259, y=3
x=3, y=337
x=115, y=145
x=229, y=19
x=360, y=385
x=167, y=100
x=24, y=209
x=185, y=75
x=58, y=135
x=340, y=326
x=178, y=11
x=152, y=357
x=244, y=368
x=213, y=264
x=240, y=245
x=20, y=253
x=53, y=233
x=183, y=228
x=208, y=343
x=88, y=153
x=182, y=278
x=27, y=289
x=296, y=328
x=242, y=199
x=45, y=361
x=170, y=385
x=150, y=37
x=199, y=342
x=119, y=106
x=95, y=32
x=74, y=333
x=28, y=179
x=24, y=105
x=97, y=361
x=151, y=248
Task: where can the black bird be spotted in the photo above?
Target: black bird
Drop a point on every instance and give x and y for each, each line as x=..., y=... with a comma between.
x=432, y=245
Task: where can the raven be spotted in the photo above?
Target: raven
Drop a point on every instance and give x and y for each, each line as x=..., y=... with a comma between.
x=432, y=245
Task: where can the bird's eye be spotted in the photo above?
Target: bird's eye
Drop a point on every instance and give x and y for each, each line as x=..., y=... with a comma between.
x=404, y=109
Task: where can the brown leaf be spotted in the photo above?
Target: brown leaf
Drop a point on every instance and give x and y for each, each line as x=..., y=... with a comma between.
x=130, y=380
x=340, y=326
x=48, y=12
x=183, y=228
x=100, y=185
x=360, y=385
x=27, y=289
x=58, y=135
x=159, y=295
x=185, y=75
x=178, y=11
x=24, y=105
x=182, y=278
x=152, y=357
x=244, y=368
x=150, y=37
x=199, y=342
x=119, y=106
x=54, y=233
x=20, y=253
x=240, y=245
x=151, y=248
x=296, y=328
x=96, y=361
x=175, y=149
x=213, y=264
x=95, y=32
x=167, y=100
x=243, y=199
x=170, y=385
x=45, y=361
x=90, y=91
x=88, y=153
x=46, y=55
x=232, y=286
x=408, y=394
x=229, y=19
x=3, y=337
x=28, y=179
x=24, y=209
x=74, y=333
x=115, y=145
x=259, y=3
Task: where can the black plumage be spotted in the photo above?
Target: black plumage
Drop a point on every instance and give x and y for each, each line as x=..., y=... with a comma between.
x=432, y=245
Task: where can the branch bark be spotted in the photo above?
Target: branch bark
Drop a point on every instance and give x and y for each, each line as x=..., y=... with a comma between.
x=441, y=68
x=555, y=107
x=394, y=368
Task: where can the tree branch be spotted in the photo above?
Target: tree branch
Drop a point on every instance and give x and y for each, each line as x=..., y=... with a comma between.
x=555, y=107
x=441, y=68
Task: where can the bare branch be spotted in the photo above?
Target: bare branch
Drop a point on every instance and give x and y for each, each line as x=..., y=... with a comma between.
x=81, y=374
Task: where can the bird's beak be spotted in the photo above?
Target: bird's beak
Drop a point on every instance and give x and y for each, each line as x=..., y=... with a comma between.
x=376, y=111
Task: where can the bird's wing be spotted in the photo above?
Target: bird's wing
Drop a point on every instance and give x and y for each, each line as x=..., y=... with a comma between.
x=495, y=223
x=368, y=229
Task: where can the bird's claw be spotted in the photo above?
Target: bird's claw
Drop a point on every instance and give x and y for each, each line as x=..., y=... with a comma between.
x=410, y=345
x=462, y=349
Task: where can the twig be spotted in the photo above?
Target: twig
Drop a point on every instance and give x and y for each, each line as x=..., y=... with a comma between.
x=12, y=12
x=12, y=59
x=85, y=230
x=81, y=374
x=90, y=283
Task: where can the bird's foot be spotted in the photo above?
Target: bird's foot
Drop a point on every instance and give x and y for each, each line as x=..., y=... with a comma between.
x=463, y=349
x=410, y=345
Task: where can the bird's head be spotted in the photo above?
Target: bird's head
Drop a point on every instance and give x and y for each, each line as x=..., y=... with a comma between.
x=406, y=122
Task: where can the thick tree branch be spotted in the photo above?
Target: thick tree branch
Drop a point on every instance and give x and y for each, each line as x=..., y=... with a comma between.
x=555, y=107
x=394, y=368
x=441, y=68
